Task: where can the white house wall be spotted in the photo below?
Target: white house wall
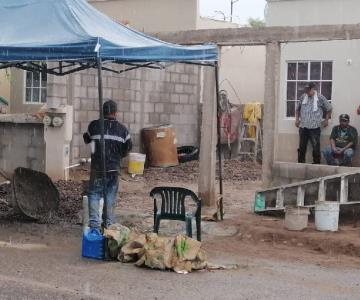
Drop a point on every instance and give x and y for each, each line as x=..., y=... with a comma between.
x=345, y=92
x=242, y=73
x=312, y=12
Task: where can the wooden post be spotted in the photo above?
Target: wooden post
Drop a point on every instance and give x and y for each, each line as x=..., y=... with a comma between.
x=272, y=74
x=207, y=190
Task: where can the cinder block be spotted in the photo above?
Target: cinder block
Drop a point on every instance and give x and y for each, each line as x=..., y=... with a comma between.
x=159, y=107
x=123, y=106
x=184, y=99
x=175, y=77
x=169, y=87
x=154, y=97
x=129, y=117
x=164, y=118
x=80, y=116
x=193, y=79
x=169, y=108
x=88, y=80
x=56, y=90
x=76, y=128
x=165, y=97
x=92, y=93
x=92, y=115
x=189, y=89
x=174, y=118
x=179, y=88
x=197, y=69
x=184, y=78
x=194, y=99
x=84, y=127
x=149, y=107
x=135, y=85
x=124, y=83
x=80, y=92
x=118, y=94
x=149, y=86
x=77, y=79
x=107, y=93
x=135, y=106
x=189, y=69
x=113, y=82
x=188, y=109
x=175, y=98
x=180, y=68
x=179, y=108
x=138, y=118
x=138, y=96
x=87, y=104
x=154, y=118
x=134, y=128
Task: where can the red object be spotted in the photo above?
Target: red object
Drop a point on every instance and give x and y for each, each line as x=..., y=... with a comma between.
x=229, y=124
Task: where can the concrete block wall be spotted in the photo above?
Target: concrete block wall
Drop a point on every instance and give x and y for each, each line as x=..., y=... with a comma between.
x=145, y=98
x=22, y=145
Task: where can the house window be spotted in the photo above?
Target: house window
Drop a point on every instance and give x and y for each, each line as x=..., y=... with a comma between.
x=35, y=87
x=302, y=72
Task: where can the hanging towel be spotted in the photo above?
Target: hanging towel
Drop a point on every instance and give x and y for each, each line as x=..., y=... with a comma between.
x=316, y=100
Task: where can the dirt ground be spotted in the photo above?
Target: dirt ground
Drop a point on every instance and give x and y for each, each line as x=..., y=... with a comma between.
x=42, y=261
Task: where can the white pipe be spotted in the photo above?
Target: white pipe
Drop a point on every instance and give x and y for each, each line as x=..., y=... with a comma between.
x=82, y=162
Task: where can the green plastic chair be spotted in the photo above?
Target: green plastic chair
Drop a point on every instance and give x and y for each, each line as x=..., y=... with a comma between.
x=173, y=208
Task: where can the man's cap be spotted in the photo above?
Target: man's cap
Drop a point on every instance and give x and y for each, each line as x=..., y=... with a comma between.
x=344, y=117
x=309, y=86
x=109, y=107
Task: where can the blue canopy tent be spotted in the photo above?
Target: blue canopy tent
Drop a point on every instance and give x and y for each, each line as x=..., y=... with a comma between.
x=74, y=36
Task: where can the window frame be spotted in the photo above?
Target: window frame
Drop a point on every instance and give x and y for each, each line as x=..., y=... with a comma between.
x=41, y=88
x=309, y=80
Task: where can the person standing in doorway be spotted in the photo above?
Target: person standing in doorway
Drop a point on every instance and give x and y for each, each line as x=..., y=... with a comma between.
x=117, y=145
x=313, y=112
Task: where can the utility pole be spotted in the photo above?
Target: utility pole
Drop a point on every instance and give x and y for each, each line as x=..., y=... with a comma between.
x=232, y=9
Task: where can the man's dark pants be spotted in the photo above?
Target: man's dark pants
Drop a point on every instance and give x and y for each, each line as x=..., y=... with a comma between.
x=313, y=135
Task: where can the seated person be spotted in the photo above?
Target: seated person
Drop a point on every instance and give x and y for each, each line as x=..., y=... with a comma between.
x=343, y=141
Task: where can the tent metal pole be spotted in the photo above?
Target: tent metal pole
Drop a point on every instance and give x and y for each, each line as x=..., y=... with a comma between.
x=221, y=203
x=102, y=140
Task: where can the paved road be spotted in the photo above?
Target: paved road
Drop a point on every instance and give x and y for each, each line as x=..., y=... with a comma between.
x=59, y=273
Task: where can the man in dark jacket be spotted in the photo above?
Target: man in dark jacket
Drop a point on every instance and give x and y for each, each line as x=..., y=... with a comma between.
x=343, y=141
x=117, y=145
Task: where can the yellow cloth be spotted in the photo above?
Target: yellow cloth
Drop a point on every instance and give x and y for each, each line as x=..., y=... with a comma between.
x=252, y=113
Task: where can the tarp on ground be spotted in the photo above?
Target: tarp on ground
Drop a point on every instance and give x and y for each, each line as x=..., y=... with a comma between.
x=69, y=30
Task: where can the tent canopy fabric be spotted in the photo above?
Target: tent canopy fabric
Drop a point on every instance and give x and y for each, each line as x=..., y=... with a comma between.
x=73, y=30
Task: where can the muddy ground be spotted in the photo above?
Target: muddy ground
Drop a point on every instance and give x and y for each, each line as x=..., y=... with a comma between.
x=42, y=261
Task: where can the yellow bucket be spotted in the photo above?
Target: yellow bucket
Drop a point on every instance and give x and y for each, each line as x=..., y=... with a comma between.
x=136, y=163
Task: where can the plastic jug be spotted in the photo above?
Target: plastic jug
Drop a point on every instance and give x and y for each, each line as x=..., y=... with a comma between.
x=93, y=244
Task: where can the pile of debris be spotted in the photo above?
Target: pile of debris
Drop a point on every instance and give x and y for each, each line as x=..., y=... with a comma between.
x=70, y=204
x=234, y=170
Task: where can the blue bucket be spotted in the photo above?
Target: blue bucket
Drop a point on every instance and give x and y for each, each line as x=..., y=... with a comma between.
x=93, y=244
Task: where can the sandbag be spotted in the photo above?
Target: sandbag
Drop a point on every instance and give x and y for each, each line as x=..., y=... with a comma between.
x=133, y=249
x=158, y=252
x=117, y=235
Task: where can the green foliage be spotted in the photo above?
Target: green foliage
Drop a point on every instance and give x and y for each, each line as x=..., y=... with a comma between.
x=256, y=23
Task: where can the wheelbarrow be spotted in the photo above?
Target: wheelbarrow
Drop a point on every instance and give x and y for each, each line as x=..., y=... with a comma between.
x=33, y=194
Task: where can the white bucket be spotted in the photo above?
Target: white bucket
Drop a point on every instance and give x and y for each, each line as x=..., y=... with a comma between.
x=296, y=218
x=136, y=163
x=327, y=215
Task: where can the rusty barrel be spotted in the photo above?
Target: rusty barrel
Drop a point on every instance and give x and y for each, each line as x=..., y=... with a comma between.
x=160, y=146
